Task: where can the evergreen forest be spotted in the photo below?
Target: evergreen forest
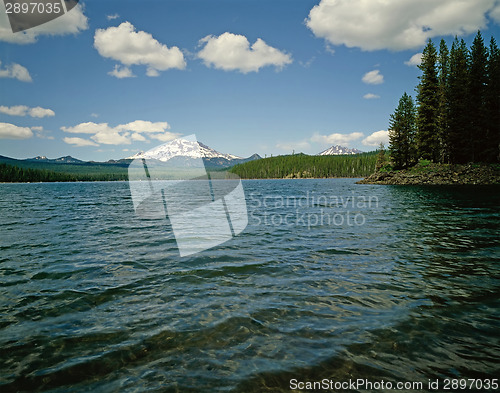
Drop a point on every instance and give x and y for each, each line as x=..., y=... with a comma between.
x=456, y=116
x=305, y=166
x=15, y=174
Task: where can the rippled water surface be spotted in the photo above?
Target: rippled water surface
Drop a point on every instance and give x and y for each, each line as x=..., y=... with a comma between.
x=329, y=280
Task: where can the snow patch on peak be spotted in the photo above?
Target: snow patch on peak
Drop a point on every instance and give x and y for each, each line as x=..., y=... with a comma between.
x=338, y=150
x=182, y=147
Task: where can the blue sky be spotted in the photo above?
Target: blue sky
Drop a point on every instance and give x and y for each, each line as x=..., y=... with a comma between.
x=111, y=78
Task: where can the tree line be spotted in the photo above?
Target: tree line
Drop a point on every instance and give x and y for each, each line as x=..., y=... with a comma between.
x=456, y=117
x=15, y=174
x=305, y=166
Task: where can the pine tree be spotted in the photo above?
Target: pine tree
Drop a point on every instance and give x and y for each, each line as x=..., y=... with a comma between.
x=402, y=133
x=492, y=144
x=380, y=157
x=443, y=76
x=458, y=114
x=478, y=78
x=427, y=97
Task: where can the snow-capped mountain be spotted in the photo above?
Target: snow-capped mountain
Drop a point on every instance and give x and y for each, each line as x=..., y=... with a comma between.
x=62, y=160
x=182, y=148
x=337, y=150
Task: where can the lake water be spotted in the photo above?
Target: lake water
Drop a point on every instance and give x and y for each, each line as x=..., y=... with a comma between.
x=329, y=280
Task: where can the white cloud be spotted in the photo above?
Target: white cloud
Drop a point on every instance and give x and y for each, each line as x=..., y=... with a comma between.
x=15, y=71
x=94, y=115
x=231, y=52
x=131, y=47
x=79, y=142
x=152, y=72
x=87, y=128
x=23, y=110
x=16, y=110
x=11, y=131
x=121, y=72
x=165, y=136
x=41, y=133
x=371, y=96
x=41, y=112
x=376, y=138
x=291, y=146
x=415, y=60
x=144, y=126
x=138, y=137
x=111, y=17
x=123, y=134
x=397, y=24
x=111, y=137
x=72, y=22
x=373, y=78
x=336, y=138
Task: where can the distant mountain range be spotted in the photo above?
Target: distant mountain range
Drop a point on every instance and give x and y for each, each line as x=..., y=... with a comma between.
x=337, y=150
x=181, y=149
x=61, y=160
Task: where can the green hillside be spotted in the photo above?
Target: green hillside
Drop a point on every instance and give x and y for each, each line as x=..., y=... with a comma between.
x=85, y=171
x=304, y=166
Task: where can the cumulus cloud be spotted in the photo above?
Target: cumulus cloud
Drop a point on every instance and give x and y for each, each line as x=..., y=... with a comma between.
x=111, y=17
x=123, y=134
x=371, y=96
x=376, y=138
x=121, y=72
x=72, y=22
x=397, y=24
x=41, y=112
x=15, y=71
x=373, y=78
x=144, y=126
x=16, y=110
x=130, y=47
x=79, y=141
x=11, y=131
x=41, y=133
x=415, y=60
x=87, y=128
x=230, y=52
x=164, y=136
x=336, y=138
x=23, y=110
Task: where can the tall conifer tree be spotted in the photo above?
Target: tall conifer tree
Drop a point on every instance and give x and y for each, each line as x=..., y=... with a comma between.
x=402, y=133
x=443, y=76
x=492, y=149
x=458, y=114
x=427, y=97
x=478, y=78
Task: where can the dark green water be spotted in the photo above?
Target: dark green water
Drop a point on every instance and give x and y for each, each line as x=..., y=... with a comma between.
x=404, y=286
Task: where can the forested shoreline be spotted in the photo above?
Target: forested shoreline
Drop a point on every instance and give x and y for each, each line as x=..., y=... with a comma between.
x=297, y=166
x=15, y=174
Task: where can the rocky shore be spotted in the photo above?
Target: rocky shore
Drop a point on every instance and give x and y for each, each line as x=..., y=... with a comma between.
x=438, y=174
